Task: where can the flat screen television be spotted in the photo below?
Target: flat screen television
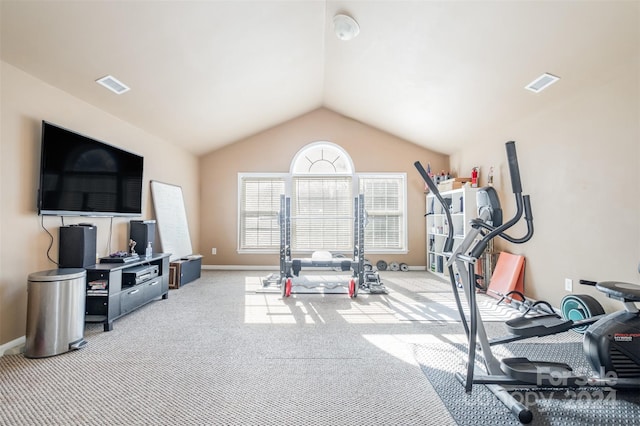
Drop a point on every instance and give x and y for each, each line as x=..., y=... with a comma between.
x=81, y=176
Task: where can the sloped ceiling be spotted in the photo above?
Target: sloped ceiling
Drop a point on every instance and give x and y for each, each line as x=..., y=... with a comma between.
x=205, y=74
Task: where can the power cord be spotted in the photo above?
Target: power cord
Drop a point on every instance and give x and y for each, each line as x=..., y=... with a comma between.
x=50, y=242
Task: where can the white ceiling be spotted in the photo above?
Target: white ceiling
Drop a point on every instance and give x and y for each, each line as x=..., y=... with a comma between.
x=204, y=74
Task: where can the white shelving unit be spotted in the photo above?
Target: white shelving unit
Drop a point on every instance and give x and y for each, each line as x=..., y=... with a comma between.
x=462, y=205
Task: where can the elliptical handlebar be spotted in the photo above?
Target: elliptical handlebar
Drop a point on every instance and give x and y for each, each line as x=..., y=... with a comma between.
x=425, y=176
x=514, y=170
x=523, y=205
x=528, y=215
x=448, y=244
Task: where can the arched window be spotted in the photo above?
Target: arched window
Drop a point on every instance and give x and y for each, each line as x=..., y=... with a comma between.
x=322, y=158
x=322, y=197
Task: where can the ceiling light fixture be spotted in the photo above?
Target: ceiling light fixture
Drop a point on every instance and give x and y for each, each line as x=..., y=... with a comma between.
x=113, y=84
x=345, y=27
x=542, y=82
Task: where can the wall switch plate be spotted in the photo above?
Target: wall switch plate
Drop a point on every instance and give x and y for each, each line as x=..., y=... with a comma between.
x=213, y=250
x=568, y=284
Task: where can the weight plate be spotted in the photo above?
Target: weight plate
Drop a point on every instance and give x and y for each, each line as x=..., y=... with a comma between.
x=577, y=307
x=381, y=265
x=404, y=267
x=394, y=266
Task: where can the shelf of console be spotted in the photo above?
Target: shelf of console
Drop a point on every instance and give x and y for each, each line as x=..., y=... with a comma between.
x=109, y=297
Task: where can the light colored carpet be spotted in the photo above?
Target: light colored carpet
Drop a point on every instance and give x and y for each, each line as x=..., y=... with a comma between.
x=217, y=352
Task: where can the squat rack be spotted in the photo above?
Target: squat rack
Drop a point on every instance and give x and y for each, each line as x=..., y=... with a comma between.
x=290, y=267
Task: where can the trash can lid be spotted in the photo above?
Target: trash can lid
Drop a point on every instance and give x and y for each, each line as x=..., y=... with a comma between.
x=61, y=274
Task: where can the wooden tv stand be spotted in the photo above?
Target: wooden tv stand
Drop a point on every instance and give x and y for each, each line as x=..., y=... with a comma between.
x=109, y=296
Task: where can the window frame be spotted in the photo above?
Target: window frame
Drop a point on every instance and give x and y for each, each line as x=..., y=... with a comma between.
x=357, y=184
x=404, y=214
x=256, y=176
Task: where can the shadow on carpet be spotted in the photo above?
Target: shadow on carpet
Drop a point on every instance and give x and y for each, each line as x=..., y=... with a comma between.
x=588, y=406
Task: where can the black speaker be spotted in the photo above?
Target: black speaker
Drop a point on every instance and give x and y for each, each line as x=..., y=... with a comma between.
x=77, y=246
x=143, y=232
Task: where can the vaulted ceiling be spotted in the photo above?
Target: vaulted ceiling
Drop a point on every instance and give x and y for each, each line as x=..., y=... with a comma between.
x=204, y=74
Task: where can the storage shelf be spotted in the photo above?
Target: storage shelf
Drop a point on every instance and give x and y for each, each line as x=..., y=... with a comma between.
x=108, y=297
x=462, y=205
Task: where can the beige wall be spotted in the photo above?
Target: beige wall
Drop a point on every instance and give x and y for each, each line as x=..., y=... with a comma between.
x=580, y=161
x=272, y=151
x=25, y=102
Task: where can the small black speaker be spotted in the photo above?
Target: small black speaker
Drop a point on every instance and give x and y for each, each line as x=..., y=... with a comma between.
x=143, y=232
x=77, y=246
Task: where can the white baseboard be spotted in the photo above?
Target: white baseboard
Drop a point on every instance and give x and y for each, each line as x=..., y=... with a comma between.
x=13, y=347
x=271, y=268
x=240, y=268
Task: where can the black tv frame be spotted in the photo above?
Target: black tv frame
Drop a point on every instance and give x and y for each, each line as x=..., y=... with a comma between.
x=115, y=178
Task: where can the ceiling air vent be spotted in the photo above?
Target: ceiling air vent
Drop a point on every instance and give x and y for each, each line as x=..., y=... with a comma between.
x=542, y=82
x=112, y=83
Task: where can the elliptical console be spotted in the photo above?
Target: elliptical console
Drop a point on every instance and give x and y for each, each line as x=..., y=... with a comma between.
x=612, y=344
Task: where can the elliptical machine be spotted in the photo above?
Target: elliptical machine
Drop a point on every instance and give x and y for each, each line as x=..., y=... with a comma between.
x=611, y=342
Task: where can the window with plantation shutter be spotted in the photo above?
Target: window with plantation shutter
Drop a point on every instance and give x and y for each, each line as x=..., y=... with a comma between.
x=384, y=202
x=259, y=209
x=322, y=185
x=322, y=213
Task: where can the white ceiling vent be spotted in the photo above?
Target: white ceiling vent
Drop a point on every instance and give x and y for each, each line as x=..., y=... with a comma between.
x=113, y=84
x=542, y=82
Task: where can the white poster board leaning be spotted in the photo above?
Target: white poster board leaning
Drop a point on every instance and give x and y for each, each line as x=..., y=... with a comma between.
x=171, y=216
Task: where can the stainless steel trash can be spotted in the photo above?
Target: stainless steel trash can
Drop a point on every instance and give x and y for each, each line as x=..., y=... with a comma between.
x=55, y=312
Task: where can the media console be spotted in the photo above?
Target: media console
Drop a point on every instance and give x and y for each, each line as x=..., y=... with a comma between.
x=115, y=289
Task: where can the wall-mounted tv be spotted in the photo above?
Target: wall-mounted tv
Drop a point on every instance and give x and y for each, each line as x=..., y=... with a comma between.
x=81, y=176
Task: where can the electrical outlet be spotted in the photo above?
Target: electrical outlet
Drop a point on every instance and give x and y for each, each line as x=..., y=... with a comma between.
x=568, y=284
x=213, y=250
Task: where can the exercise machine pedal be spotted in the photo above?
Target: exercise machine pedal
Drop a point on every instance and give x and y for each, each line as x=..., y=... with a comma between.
x=541, y=373
x=541, y=325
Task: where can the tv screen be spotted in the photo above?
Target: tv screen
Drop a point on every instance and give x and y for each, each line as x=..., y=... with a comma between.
x=81, y=176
